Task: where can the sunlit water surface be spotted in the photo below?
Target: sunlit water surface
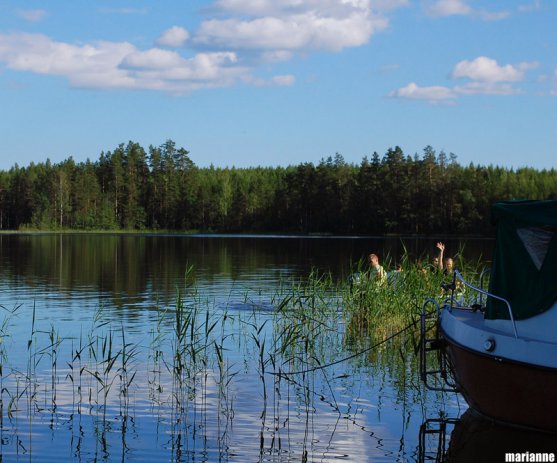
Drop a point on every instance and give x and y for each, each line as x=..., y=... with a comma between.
x=97, y=365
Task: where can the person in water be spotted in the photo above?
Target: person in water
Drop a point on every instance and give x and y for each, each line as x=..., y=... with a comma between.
x=446, y=265
x=394, y=276
x=377, y=272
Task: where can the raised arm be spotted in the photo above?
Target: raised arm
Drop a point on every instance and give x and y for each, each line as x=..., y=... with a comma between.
x=441, y=248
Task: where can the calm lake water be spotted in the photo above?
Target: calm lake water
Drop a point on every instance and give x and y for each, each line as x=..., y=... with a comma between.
x=112, y=350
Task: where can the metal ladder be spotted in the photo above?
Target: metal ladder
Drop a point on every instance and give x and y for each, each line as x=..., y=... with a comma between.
x=434, y=438
x=434, y=345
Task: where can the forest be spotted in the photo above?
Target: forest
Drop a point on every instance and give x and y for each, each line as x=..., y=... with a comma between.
x=161, y=188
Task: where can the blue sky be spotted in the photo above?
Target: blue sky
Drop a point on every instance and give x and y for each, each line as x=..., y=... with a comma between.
x=278, y=82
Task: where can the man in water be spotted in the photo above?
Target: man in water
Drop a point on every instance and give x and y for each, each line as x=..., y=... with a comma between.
x=377, y=272
x=445, y=265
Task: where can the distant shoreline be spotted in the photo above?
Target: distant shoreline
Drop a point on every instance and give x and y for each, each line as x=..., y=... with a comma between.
x=247, y=234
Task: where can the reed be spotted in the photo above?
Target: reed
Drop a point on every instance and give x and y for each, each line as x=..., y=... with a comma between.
x=51, y=350
x=290, y=351
x=127, y=356
x=371, y=305
x=4, y=361
x=155, y=357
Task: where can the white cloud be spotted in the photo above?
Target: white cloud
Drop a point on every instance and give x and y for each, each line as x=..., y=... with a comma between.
x=155, y=58
x=285, y=80
x=38, y=53
x=204, y=70
x=124, y=10
x=486, y=69
x=254, y=7
x=433, y=94
x=173, y=37
x=276, y=56
x=290, y=7
x=32, y=15
x=448, y=8
x=280, y=81
x=486, y=75
x=300, y=32
x=492, y=15
x=111, y=65
x=295, y=25
x=388, y=68
x=487, y=88
x=243, y=31
x=444, y=8
x=386, y=5
x=534, y=6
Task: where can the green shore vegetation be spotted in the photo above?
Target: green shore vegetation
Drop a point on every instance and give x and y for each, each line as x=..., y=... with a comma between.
x=160, y=188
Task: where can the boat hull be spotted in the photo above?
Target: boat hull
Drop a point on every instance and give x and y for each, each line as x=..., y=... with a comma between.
x=504, y=390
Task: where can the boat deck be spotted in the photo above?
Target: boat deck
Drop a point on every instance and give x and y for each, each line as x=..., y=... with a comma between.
x=470, y=330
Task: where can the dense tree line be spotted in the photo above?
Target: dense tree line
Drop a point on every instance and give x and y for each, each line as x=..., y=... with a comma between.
x=161, y=188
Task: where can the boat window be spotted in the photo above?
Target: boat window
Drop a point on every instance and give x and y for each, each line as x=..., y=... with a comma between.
x=536, y=241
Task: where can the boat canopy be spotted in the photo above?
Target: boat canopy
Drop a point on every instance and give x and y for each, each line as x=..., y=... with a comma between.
x=524, y=269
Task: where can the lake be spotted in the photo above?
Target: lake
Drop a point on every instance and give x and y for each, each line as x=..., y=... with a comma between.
x=189, y=348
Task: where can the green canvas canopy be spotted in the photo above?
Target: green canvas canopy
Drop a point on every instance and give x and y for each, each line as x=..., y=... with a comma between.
x=524, y=269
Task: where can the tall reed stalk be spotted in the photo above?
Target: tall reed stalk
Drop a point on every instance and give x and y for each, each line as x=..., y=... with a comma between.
x=291, y=350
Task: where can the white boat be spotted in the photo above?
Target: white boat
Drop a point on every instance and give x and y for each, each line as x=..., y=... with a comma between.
x=502, y=355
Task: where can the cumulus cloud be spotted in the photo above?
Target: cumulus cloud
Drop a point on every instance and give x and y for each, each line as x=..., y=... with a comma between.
x=223, y=50
x=285, y=80
x=300, y=32
x=486, y=88
x=486, y=76
x=38, y=53
x=492, y=15
x=125, y=11
x=277, y=81
x=433, y=94
x=202, y=70
x=32, y=15
x=444, y=8
x=286, y=7
x=174, y=37
x=386, y=5
x=154, y=58
x=276, y=56
x=296, y=25
x=485, y=69
x=388, y=68
x=448, y=8
x=109, y=65
x=527, y=7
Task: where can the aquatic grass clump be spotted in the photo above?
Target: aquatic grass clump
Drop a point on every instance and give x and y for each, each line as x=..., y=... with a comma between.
x=390, y=304
x=310, y=312
x=190, y=369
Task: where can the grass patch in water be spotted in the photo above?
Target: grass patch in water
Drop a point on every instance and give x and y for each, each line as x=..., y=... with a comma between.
x=187, y=374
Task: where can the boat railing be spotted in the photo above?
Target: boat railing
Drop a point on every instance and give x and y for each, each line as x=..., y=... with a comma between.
x=481, y=291
x=485, y=271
